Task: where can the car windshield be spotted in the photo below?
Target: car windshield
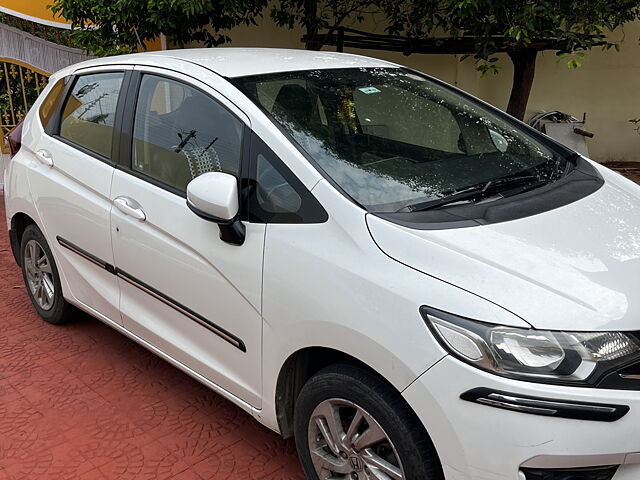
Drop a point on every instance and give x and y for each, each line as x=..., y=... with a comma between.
x=391, y=138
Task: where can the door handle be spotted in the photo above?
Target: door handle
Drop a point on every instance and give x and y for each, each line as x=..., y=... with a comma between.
x=45, y=158
x=130, y=207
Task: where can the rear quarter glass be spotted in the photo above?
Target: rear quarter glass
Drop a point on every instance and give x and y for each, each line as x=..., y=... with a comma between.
x=51, y=102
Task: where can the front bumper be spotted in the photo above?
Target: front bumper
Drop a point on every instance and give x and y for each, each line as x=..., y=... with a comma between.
x=481, y=442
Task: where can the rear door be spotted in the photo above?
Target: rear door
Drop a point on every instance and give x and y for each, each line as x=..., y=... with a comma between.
x=184, y=290
x=71, y=182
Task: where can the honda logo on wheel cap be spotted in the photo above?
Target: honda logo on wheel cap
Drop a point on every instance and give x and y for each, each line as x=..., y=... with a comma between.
x=356, y=463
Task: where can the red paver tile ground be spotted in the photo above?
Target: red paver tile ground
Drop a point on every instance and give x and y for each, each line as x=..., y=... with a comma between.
x=82, y=401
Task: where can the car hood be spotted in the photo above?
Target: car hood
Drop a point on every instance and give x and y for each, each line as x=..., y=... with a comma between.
x=573, y=268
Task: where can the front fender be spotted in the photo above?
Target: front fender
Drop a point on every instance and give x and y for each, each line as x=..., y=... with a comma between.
x=328, y=285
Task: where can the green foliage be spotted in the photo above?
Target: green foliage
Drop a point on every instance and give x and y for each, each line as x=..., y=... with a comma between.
x=107, y=27
x=572, y=27
x=316, y=15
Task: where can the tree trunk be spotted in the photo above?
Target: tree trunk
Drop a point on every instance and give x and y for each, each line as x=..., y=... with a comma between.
x=524, y=68
x=310, y=20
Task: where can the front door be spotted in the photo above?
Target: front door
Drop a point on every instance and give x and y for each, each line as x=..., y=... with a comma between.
x=183, y=289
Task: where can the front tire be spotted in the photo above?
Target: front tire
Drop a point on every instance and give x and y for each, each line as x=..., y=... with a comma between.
x=350, y=424
x=41, y=278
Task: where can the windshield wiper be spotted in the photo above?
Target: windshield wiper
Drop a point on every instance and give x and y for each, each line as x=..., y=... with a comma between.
x=479, y=192
x=471, y=193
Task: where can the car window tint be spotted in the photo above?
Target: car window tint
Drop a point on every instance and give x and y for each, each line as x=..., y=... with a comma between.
x=277, y=195
x=180, y=133
x=274, y=194
x=51, y=101
x=90, y=111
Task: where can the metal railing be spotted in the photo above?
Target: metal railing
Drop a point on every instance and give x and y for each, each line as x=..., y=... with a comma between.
x=20, y=85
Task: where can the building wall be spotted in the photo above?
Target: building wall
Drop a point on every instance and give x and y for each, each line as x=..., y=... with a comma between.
x=606, y=87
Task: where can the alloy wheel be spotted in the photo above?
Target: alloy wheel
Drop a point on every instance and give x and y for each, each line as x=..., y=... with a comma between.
x=39, y=274
x=346, y=442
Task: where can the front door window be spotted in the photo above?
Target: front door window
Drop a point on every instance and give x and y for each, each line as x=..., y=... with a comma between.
x=180, y=133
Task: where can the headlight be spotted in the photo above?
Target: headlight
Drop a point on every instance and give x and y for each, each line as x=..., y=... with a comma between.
x=534, y=355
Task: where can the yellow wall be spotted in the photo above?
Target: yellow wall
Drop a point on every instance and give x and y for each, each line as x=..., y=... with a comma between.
x=606, y=87
x=33, y=10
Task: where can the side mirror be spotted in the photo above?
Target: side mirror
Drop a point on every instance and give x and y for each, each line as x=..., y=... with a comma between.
x=214, y=197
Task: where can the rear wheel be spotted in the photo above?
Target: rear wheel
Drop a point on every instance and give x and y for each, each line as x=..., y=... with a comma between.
x=41, y=277
x=350, y=424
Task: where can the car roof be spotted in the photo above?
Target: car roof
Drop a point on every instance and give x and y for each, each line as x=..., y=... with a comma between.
x=241, y=62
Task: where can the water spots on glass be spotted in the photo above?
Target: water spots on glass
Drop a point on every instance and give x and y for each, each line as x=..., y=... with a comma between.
x=389, y=137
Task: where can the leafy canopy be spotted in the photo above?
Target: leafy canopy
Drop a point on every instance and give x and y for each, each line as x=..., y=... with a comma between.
x=318, y=15
x=568, y=26
x=119, y=26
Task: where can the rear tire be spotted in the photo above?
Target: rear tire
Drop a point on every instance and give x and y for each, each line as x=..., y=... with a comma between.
x=41, y=278
x=378, y=434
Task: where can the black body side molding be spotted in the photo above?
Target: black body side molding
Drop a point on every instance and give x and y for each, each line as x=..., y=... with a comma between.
x=184, y=310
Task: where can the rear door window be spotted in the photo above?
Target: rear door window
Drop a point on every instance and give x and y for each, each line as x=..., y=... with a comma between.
x=89, y=112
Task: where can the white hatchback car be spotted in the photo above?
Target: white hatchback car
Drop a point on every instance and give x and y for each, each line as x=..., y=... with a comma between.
x=411, y=282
